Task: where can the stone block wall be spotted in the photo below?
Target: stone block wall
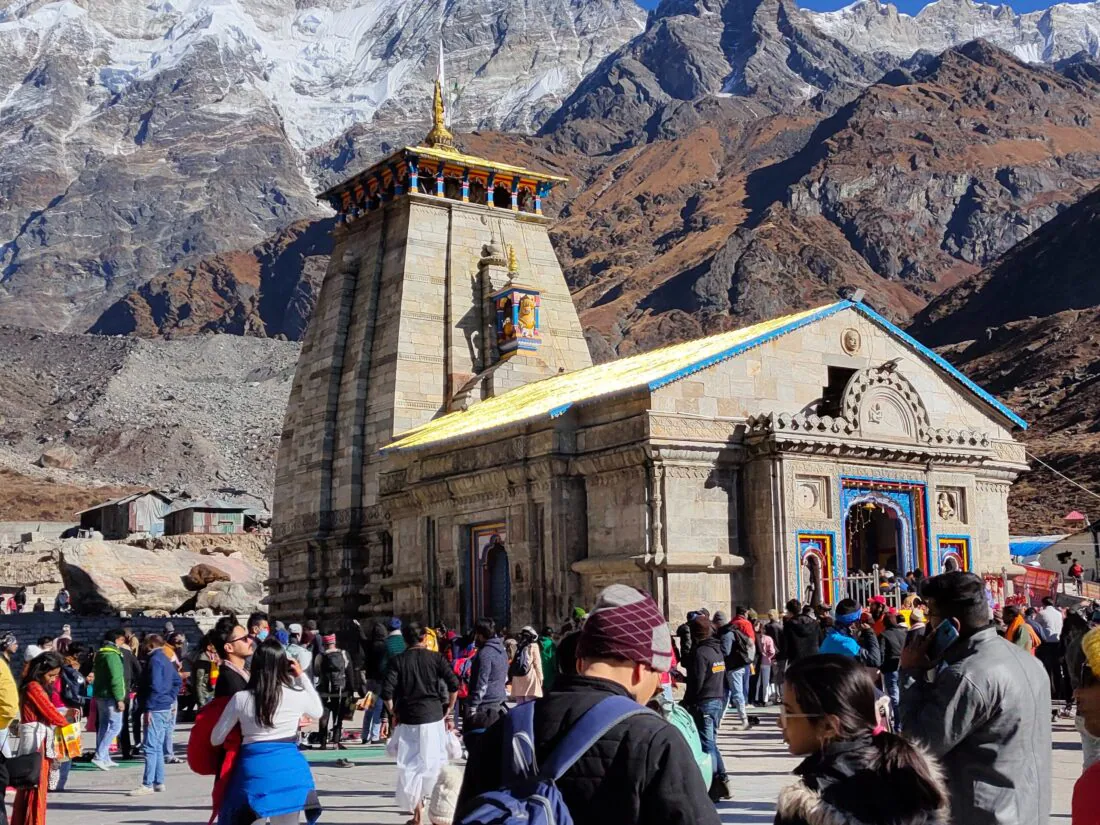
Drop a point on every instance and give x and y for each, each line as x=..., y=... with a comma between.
x=89, y=630
x=398, y=323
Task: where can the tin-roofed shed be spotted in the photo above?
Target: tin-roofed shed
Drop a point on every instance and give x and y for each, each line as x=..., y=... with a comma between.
x=122, y=517
x=210, y=515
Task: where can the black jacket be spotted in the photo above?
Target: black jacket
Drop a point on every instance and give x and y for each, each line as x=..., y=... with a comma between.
x=655, y=780
x=131, y=669
x=837, y=787
x=683, y=636
x=419, y=681
x=800, y=638
x=706, y=672
x=374, y=658
x=775, y=630
x=893, y=640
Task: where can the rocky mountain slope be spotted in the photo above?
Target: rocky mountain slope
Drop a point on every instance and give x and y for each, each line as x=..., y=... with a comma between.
x=922, y=179
x=1028, y=328
x=268, y=291
x=137, y=137
x=737, y=219
x=201, y=414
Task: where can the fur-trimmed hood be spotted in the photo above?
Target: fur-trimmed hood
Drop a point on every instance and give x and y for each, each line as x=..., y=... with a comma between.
x=839, y=787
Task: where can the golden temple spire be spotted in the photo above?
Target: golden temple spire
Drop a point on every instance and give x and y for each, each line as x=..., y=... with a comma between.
x=513, y=264
x=439, y=136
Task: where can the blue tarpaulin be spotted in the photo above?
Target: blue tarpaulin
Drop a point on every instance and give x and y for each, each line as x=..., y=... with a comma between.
x=1024, y=547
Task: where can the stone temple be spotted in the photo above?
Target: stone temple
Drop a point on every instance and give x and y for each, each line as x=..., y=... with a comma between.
x=450, y=451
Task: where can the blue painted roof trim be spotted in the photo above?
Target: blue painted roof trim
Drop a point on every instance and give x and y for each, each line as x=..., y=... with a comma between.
x=778, y=332
x=940, y=362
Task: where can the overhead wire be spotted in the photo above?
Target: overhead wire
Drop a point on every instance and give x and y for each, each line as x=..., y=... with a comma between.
x=1061, y=474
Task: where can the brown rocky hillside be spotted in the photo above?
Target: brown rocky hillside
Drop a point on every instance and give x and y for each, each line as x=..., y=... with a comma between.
x=921, y=180
x=1028, y=328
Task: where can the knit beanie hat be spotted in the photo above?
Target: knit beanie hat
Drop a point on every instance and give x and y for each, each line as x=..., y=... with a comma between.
x=625, y=623
x=444, y=799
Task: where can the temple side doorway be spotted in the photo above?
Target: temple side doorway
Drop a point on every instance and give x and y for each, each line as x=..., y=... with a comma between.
x=487, y=580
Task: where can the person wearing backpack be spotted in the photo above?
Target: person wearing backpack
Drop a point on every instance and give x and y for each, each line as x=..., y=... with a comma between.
x=738, y=651
x=526, y=668
x=591, y=729
x=705, y=698
x=334, y=682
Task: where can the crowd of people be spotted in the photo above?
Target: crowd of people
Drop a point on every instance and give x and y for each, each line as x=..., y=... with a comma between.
x=938, y=711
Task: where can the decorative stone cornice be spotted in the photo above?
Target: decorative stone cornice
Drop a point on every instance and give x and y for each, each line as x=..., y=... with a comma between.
x=667, y=563
x=770, y=423
x=684, y=428
x=618, y=459
x=833, y=449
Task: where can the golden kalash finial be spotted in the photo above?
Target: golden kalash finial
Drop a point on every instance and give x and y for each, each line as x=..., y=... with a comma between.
x=440, y=136
x=513, y=264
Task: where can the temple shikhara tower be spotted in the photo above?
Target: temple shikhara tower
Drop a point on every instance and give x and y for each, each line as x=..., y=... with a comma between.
x=450, y=451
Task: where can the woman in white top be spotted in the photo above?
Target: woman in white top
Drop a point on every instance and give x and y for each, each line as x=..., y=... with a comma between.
x=269, y=713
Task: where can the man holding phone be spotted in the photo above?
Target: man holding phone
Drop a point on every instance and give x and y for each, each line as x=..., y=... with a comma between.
x=985, y=713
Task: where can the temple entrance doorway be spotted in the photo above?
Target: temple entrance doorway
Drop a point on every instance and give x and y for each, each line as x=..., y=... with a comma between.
x=874, y=538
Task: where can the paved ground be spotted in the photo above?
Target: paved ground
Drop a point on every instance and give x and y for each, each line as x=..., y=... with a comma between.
x=757, y=760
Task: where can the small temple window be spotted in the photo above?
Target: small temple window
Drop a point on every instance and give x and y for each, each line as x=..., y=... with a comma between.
x=502, y=198
x=832, y=394
x=478, y=193
x=526, y=200
x=452, y=188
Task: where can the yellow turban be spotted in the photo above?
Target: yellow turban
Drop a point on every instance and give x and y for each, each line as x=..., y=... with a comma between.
x=1091, y=647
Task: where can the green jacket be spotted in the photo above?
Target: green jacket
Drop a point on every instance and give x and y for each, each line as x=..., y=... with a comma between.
x=549, y=653
x=110, y=683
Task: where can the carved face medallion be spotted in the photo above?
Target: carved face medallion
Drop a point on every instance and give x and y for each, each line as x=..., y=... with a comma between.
x=850, y=341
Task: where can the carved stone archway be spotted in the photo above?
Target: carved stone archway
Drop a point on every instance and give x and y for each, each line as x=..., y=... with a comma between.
x=881, y=402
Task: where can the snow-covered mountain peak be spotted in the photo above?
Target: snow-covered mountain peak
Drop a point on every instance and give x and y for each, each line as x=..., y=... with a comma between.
x=1051, y=34
x=330, y=65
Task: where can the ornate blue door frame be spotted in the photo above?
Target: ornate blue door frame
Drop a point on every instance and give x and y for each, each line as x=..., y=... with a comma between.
x=907, y=499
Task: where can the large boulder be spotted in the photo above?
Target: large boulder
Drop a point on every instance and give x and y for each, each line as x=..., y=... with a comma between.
x=238, y=598
x=104, y=577
x=59, y=457
x=202, y=575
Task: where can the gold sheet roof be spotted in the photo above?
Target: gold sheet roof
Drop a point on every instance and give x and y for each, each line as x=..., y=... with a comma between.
x=553, y=396
x=459, y=159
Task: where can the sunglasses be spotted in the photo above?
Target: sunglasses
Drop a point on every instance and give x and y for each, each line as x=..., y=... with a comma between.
x=246, y=636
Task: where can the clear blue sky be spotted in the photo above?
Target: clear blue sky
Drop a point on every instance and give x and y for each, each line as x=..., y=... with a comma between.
x=907, y=6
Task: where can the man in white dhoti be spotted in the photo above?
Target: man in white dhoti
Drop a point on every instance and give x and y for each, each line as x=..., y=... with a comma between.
x=419, y=690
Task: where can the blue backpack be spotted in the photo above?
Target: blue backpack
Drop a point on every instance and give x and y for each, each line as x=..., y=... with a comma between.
x=529, y=795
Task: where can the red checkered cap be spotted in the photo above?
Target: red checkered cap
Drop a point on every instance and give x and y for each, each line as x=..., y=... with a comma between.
x=627, y=624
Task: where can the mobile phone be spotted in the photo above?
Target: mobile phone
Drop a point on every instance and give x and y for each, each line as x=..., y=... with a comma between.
x=945, y=635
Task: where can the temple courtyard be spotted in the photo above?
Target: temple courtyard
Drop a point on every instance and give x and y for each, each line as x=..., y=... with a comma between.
x=758, y=763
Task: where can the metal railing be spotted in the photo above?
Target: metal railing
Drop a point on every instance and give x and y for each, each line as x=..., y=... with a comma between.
x=860, y=587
